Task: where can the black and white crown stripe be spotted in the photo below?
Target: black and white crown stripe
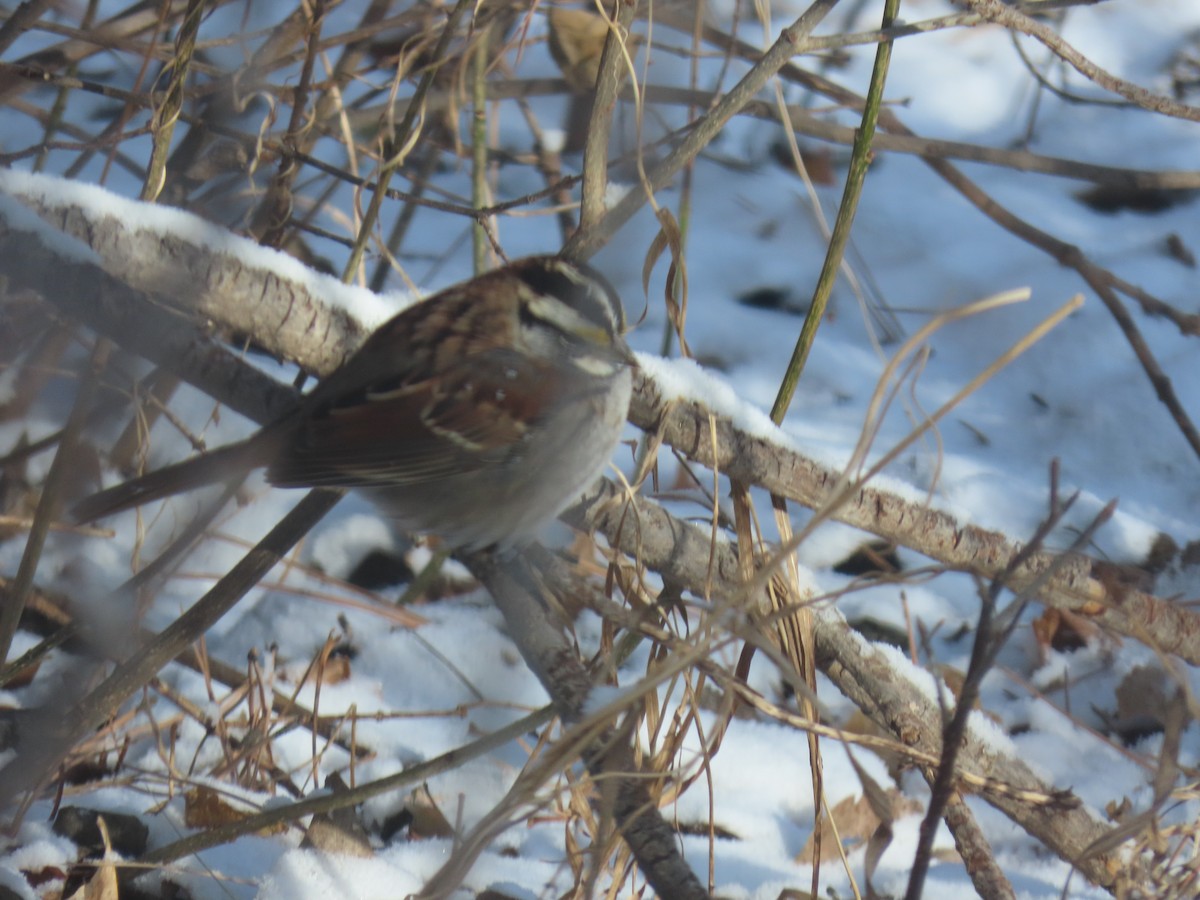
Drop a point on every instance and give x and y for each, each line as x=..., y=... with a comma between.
x=574, y=298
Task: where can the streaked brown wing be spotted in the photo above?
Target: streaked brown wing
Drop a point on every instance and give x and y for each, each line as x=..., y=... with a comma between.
x=408, y=433
x=430, y=337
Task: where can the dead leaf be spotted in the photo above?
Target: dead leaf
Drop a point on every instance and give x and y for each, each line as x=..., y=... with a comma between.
x=1146, y=702
x=205, y=808
x=324, y=835
x=103, y=884
x=577, y=39
x=1062, y=630
x=856, y=823
x=337, y=669
x=427, y=819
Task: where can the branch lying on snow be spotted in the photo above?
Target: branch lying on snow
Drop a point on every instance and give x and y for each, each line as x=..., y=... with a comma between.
x=285, y=317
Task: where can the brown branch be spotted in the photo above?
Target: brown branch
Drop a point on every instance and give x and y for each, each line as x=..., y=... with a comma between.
x=120, y=28
x=609, y=757
x=804, y=122
x=985, y=873
x=20, y=20
x=289, y=318
x=684, y=426
x=995, y=11
x=608, y=84
x=85, y=292
x=585, y=242
x=689, y=557
x=801, y=119
x=689, y=428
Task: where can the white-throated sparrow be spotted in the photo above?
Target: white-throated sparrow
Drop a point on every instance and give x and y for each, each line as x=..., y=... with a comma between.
x=475, y=415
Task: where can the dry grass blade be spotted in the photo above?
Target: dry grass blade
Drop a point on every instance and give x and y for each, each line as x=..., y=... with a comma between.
x=842, y=490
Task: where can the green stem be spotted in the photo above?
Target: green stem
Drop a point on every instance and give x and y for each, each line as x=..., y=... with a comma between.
x=479, y=154
x=860, y=161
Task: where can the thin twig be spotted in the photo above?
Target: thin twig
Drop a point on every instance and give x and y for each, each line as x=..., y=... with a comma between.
x=587, y=241
x=45, y=741
x=995, y=11
x=216, y=835
x=398, y=145
x=51, y=499
x=608, y=83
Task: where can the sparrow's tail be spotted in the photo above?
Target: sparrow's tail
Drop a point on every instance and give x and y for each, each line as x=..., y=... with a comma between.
x=221, y=465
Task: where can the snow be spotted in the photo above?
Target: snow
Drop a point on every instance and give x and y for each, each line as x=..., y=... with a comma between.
x=1078, y=396
x=684, y=379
